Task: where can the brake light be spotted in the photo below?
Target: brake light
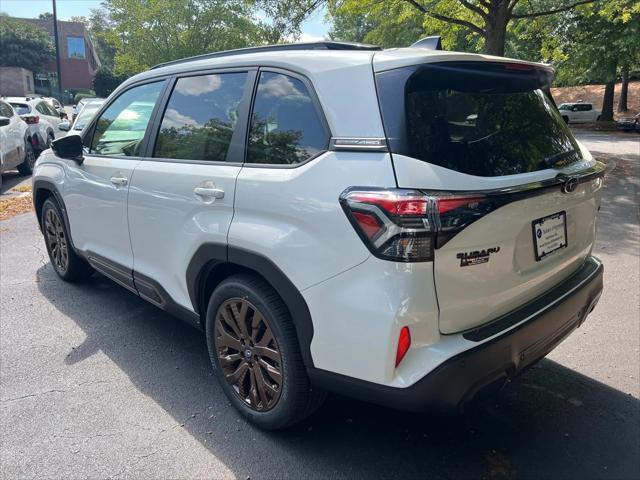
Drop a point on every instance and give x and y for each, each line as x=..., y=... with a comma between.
x=404, y=342
x=407, y=225
x=31, y=119
x=523, y=67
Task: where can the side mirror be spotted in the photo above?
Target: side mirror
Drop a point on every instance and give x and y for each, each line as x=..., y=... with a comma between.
x=574, y=109
x=64, y=126
x=69, y=147
x=4, y=121
x=62, y=114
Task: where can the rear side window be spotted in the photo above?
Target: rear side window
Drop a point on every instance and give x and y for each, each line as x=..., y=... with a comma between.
x=44, y=109
x=200, y=117
x=480, y=120
x=286, y=127
x=585, y=107
x=121, y=127
x=21, y=108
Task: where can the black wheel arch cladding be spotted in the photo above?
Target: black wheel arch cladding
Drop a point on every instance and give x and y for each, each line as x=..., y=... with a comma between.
x=210, y=257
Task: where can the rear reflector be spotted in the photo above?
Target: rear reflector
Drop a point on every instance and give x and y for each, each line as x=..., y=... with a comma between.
x=404, y=342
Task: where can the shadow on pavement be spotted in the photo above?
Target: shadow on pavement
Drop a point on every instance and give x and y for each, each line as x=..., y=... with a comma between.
x=551, y=423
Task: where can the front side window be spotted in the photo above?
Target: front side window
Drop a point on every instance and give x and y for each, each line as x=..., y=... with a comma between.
x=200, y=117
x=75, y=47
x=285, y=125
x=121, y=127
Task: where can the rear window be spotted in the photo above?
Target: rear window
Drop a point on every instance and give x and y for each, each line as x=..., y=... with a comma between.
x=21, y=108
x=483, y=119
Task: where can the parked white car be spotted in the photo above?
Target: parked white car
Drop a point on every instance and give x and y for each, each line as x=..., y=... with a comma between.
x=42, y=119
x=56, y=105
x=385, y=224
x=15, y=147
x=84, y=117
x=580, y=112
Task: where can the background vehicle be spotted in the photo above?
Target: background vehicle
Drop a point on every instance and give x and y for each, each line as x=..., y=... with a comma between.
x=629, y=124
x=43, y=120
x=579, y=112
x=80, y=105
x=84, y=117
x=15, y=148
x=257, y=195
x=56, y=105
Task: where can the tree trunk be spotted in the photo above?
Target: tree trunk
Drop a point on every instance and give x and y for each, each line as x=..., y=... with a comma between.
x=496, y=27
x=624, y=91
x=607, y=102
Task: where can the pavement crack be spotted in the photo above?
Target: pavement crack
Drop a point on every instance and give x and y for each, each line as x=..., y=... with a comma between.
x=32, y=395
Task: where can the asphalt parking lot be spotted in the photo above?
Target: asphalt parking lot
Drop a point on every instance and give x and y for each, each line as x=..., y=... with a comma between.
x=94, y=382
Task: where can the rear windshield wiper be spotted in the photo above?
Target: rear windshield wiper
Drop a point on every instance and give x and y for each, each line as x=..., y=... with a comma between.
x=557, y=157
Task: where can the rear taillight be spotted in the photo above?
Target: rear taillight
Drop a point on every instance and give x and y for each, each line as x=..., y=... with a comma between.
x=31, y=119
x=407, y=225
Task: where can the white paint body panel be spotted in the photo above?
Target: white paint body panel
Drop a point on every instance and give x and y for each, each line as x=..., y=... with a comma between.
x=169, y=221
x=12, y=148
x=97, y=209
x=293, y=217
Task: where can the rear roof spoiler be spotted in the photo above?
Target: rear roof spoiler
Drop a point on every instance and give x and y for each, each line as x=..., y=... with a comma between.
x=430, y=43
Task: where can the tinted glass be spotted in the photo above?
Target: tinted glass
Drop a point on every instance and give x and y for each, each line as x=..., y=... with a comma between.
x=285, y=125
x=486, y=123
x=21, y=108
x=5, y=110
x=585, y=108
x=200, y=117
x=121, y=127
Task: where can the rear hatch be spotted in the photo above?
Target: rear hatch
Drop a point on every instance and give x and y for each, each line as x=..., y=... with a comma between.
x=518, y=195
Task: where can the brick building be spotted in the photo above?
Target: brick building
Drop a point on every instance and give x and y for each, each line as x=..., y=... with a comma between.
x=78, y=58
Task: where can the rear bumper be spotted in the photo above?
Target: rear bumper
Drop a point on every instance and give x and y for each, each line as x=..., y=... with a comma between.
x=505, y=348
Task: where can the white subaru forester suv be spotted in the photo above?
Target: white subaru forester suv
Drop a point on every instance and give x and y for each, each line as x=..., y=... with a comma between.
x=384, y=224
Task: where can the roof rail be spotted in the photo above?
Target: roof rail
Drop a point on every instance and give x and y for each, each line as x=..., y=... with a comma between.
x=322, y=45
x=431, y=43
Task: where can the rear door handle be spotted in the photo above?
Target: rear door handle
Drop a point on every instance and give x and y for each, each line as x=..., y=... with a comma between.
x=209, y=192
x=119, y=181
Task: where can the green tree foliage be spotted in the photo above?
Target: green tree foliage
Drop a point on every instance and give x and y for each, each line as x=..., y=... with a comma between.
x=106, y=82
x=98, y=25
x=147, y=32
x=24, y=45
x=486, y=21
x=593, y=44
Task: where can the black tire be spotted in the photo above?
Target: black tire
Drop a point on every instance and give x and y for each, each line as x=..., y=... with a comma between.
x=65, y=261
x=566, y=119
x=296, y=398
x=26, y=167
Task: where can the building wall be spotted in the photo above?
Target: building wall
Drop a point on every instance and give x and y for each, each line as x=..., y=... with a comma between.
x=16, y=82
x=75, y=72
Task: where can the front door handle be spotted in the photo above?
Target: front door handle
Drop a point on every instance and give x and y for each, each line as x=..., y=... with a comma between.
x=119, y=181
x=209, y=191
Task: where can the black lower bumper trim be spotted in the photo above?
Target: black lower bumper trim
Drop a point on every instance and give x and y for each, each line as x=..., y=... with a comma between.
x=451, y=385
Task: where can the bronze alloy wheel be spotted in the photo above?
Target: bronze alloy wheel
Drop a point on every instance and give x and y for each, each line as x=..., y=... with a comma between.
x=248, y=354
x=56, y=240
